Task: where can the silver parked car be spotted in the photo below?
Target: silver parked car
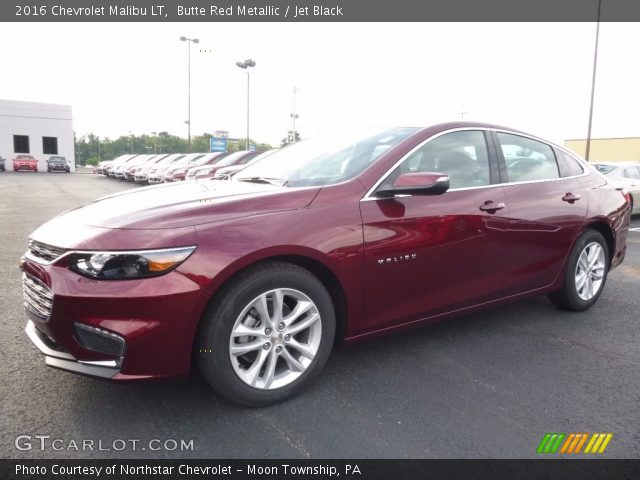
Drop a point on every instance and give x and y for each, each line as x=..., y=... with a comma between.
x=627, y=175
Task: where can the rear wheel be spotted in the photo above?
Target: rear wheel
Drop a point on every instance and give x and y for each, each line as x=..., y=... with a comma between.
x=267, y=336
x=586, y=273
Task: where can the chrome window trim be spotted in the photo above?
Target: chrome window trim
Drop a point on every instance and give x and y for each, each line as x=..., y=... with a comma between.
x=368, y=197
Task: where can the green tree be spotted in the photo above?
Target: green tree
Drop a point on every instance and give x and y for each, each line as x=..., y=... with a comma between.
x=91, y=147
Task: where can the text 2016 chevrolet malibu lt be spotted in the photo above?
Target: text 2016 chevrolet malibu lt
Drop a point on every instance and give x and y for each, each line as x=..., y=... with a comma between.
x=256, y=278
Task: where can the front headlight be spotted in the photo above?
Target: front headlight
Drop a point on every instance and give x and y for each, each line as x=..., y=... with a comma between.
x=123, y=265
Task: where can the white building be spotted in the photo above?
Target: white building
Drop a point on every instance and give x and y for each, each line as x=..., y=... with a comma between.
x=39, y=129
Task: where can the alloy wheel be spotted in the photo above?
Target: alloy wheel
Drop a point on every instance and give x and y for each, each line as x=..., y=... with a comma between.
x=590, y=269
x=275, y=338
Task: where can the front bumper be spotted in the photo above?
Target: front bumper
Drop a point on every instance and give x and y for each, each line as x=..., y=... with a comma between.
x=57, y=357
x=154, y=320
x=24, y=166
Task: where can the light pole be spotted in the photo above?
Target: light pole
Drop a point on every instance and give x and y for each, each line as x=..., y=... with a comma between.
x=245, y=66
x=294, y=115
x=189, y=42
x=593, y=84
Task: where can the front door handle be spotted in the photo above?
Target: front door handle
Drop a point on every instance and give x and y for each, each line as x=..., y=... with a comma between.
x=491, y=207
x=571, y=197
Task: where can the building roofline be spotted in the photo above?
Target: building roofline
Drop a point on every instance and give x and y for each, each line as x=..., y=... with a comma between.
x=602, y=138
x=32, y=103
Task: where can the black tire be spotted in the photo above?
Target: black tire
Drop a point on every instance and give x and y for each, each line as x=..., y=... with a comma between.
x=567, y=297
x=212, y=343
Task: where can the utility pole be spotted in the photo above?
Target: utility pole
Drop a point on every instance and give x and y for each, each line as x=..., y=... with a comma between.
x=294, y=115
x=188, y=122
x=462, y=112
x=245, y=66
x=593, y=84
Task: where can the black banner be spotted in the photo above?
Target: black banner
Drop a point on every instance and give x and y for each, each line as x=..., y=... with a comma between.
x=315, y=469
x=316, y=10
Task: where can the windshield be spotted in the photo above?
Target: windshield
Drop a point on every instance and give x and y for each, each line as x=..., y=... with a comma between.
x=195, y=160
x=212, y=158
x=323, y=162
x=231, y=159
x=170, y=160
x=605, y=169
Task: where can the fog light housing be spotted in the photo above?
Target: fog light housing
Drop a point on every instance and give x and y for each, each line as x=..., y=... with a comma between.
x=99, y=340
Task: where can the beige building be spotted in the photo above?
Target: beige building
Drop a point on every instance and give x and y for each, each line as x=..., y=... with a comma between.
x=607, y=149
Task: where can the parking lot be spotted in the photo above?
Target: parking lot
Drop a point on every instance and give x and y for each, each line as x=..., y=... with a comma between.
x=486, y=385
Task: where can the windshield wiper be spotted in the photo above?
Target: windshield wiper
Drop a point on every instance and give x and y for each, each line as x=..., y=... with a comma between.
x=271, y=181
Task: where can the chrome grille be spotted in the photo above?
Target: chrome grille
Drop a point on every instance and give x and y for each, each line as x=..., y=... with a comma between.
x=44, y=251
x=38, y=299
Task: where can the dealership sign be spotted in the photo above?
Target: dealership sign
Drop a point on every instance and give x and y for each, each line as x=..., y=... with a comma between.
x=218, y=144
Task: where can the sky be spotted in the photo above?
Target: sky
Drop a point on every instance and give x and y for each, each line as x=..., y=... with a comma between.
x=132, y=77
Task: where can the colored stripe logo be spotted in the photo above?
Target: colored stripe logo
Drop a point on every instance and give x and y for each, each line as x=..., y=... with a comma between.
x=573, y=443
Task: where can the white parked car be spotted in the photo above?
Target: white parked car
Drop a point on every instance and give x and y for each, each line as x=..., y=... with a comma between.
x=627, y=175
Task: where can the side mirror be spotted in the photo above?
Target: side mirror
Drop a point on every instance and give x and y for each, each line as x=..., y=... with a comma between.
x=417, y=183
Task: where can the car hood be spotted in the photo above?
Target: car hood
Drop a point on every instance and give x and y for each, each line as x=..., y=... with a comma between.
x=201, y=168
x=170, y=206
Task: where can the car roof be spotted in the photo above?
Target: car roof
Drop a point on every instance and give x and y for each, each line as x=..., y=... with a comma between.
x=625, y=163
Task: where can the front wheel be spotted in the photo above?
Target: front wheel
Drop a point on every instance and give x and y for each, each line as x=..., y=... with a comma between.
x=586, y=273
x=267, y=336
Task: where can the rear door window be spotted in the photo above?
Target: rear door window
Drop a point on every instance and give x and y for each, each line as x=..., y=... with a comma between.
x=526, y=159
x=632, y=172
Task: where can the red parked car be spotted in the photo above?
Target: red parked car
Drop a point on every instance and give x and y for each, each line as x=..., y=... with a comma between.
x=258, y=277
x=179, y=172
x=25, y=162
x=237, y=158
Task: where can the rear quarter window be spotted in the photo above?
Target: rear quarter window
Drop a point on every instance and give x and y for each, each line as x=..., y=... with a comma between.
x=568, y=166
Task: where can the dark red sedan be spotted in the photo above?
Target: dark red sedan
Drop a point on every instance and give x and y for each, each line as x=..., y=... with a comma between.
x=258, y=277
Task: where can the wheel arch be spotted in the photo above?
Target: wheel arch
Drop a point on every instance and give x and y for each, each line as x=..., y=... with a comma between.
x=305, y=260
x=606, y=231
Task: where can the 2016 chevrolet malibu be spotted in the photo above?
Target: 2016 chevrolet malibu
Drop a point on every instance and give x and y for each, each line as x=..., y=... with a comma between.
x=256, y=278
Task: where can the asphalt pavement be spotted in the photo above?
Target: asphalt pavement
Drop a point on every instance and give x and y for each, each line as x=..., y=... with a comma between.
x=486, y=385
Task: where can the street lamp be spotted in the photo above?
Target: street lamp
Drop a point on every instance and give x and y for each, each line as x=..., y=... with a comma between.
x=294, y=115
x=188, y=122
x=245, y=66
x=593, y=84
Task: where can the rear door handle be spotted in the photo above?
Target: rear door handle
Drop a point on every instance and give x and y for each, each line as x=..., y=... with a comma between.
x=491, y=207
x=571, y=197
